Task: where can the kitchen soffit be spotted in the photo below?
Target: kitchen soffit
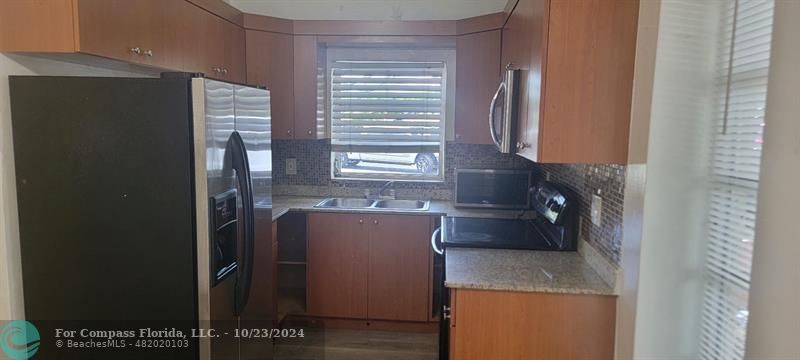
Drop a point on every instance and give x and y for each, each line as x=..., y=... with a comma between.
x=370, y=9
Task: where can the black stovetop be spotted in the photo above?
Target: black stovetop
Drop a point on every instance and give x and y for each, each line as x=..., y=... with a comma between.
x=533, y=234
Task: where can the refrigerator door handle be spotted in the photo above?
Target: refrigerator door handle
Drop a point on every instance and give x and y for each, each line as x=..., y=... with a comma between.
x=241, y=164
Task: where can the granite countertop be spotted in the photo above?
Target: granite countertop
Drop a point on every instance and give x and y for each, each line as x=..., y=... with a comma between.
x=283, y=204
x=522, y=270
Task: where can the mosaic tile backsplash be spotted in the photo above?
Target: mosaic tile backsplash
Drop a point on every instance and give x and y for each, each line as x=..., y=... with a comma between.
x=314, y=161
x=313, y=179
x=608, y=181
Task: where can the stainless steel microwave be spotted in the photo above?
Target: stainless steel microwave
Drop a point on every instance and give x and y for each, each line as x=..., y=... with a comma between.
x=499, y=189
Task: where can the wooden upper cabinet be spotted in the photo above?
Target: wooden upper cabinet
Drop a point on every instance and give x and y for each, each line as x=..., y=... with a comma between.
x=270, y=63
x=204, y=50
x=51, y=19
x=234, y=68
x=477, y=79
x=337, y=265
x=217, y=48
x=146, y=32
x=501, y=325
x=259, y=55
x=588, y=81
x=306, y=57
x=399, y=267
x=172, y=35
x=577, y=58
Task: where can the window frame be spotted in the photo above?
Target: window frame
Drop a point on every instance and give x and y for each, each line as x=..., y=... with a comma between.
x=446, y=55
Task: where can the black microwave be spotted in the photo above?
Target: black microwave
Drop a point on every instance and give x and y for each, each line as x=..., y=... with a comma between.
x=498, y=189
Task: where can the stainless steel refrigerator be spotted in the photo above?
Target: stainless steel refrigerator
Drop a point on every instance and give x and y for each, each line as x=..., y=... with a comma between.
x=145, y=203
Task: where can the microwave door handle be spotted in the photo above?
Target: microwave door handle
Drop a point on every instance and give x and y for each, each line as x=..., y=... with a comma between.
x=492, y=132
x=435, y=248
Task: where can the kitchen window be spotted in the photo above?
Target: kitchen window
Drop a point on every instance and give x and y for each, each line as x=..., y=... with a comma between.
x=388, y=113
x=743, y=67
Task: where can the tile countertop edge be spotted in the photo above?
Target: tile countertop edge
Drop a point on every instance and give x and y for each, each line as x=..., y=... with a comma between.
x=523, y=271
x=530, y=289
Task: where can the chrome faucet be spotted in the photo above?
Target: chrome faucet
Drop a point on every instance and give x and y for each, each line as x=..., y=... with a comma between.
x=379, y=194
x=384, y=187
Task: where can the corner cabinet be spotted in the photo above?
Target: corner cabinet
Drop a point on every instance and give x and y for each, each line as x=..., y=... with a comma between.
x=364, y=266
x=577, y=58
x=270, y=62
x=307, y=102
x=501, y=325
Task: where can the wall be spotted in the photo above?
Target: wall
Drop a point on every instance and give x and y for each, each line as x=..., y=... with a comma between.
x=774, y=323
x=636, y=176
x=608, y=181
x=671, y=273
x=11, y=306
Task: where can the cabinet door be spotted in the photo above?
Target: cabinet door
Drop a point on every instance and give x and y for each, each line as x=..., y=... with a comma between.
x=588, y=81
x=500, y=325
x=337, y=265
x=258, y=47
x=305, y=87
x=234, y=53
x=204, y=51
x=110, y=28
x=477, y=78
x=147, y=32
x=399, y=267
x=523, y=46
x=270, y=63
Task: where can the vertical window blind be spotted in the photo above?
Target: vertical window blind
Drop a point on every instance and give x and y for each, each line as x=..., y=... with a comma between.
x=743, y=66
x=387, y=106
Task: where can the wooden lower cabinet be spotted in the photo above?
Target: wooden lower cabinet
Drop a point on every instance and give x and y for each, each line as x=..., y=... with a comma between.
x=399, y=267
x=337, y=265
x=500, y=325
x=374, y=267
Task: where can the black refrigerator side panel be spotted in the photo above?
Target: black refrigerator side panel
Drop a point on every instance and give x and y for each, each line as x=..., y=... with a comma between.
x=104, y=181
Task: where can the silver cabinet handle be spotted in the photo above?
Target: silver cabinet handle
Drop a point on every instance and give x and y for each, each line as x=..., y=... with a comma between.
x=446, y=312
x=433, y=241
x=148, y=53
x=136, y=50
x=492, y=132
x=216, y=70
x=289, y=132
x=224, y=71
x=309, y=132
x=360, y=221
x=375, y=222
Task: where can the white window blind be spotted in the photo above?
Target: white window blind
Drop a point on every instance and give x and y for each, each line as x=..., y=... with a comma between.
x=387, y=106
x=743, y=66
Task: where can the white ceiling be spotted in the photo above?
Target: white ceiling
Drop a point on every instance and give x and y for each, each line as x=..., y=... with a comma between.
x=370, y=9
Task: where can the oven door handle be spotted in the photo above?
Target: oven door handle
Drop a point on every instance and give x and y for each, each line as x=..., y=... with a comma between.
x=435, y=248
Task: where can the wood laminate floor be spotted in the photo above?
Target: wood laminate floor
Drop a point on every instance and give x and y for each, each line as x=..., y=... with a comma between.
x=339, y=344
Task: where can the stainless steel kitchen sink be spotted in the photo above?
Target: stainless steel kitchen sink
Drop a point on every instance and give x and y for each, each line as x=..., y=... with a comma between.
x=373, y=205
x=349, y=203
x=402, y=204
